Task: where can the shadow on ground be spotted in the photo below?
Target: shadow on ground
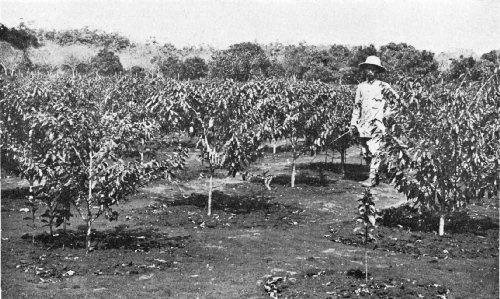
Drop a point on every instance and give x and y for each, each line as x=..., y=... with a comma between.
x=406, y=230
x=234, y=212
x=225, y=202
x=16, y=193
x=427, y=221
x=354, y=172
x=302, y=179
x=118, y=238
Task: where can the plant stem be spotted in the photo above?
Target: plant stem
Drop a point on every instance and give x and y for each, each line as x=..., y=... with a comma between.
x=51, y=230
x=342, y=161
x=294, y=158
x=88, y=235
x=366, y=254
x=274, y=145
x=67, y=211
x=366, y=264
x=441, y=216
x=441, y=224
x=32, y=198
x=210, y=184
x=89, y=200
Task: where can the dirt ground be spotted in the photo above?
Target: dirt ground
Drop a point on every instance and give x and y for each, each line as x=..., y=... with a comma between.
x=283, y=243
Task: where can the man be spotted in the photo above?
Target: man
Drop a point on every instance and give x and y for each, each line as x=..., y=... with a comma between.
x=370, y=110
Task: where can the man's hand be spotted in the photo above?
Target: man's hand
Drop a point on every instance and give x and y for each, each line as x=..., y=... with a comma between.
x=353, y=130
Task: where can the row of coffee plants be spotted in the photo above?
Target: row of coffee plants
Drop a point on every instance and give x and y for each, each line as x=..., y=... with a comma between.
x=69, y=137
x=232, y=121
x=443, y=147
x=72, y=137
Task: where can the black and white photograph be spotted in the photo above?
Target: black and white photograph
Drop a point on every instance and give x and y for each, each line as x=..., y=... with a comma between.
x=250, y=149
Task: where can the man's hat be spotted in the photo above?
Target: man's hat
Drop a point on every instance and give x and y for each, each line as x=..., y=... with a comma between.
x=375, y=61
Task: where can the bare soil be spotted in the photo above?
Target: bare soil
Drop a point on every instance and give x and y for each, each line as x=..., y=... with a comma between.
x=283, y=243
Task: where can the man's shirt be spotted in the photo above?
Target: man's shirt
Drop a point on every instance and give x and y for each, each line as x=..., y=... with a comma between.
x=370, y=107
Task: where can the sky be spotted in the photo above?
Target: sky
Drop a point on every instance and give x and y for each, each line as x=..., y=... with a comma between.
x=436, y=25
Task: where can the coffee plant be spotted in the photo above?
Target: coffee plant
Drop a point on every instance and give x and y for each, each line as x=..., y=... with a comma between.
x=67, y=134
x=219, y=114
x=367, y=222
x=442, y=149
x=89, y=141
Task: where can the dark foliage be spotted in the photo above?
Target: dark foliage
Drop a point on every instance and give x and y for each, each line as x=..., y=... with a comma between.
x=106, y=63
x=20, y=38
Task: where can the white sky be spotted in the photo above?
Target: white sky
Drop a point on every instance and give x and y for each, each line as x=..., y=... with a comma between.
x=437, y=25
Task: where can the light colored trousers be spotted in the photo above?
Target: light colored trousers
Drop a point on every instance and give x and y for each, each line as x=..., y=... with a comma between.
x=370, y=147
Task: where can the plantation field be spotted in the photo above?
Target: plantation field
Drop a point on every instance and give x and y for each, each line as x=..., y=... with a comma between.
x=258, y=243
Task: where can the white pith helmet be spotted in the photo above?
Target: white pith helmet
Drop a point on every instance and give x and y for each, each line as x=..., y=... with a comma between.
x=375, y=61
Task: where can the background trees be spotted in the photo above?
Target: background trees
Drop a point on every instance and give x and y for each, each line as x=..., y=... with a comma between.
x=48, y=50
x=106, y=63
x=476, y=70
x=20, y=37
x=194, y=68
x=10, y=58
x=241, y=62
x=84, y=36
x=295, y=60
x=51, y=57
x=405, y=59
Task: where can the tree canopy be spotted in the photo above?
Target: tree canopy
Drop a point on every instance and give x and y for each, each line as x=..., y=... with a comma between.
x=20, y=38
x=106, y=63
x=50, y=50
x=240, y=62
x=85, y=36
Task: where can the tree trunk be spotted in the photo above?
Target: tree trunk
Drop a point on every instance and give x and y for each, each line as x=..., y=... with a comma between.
x=210, y=193
x=67, y=211
x=293, y=143
x=498, y=170
x=441, y=216
x=342, y=161
x=88, y=236
x=51, y=230
x=32, y=198
x=64, y=225
x=50, y=222
x=441, y=225
x=366, y=264
x=89, y=201
x=273, y=136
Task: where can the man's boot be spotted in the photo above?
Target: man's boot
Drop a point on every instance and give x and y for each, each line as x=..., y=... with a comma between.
x=372, y=181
